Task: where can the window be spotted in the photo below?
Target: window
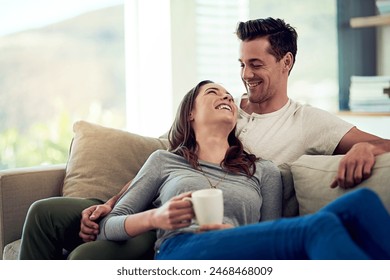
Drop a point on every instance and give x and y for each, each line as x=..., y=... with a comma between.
x=122, y=64
x=57, y=67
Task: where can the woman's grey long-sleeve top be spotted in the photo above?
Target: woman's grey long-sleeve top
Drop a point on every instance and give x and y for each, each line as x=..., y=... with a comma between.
x=165, y=175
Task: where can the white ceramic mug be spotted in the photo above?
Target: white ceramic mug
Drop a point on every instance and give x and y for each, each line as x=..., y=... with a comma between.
x=208, y=206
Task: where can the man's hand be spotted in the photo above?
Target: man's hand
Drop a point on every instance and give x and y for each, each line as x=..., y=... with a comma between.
x=210, y=227
x=355, y=166
x=89, y=225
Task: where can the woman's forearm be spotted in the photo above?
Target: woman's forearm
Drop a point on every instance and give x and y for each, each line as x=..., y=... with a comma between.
x=121, y=227
x=139, y=223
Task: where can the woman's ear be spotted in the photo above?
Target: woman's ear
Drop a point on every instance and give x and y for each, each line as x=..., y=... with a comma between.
x=191, y=116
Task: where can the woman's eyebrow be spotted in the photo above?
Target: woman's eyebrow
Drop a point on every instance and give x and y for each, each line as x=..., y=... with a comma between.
x=212, y=88
x=217, y=89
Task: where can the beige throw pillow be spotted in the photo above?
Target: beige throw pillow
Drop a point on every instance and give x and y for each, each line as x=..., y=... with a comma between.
x=313, y=175
x=102, y=160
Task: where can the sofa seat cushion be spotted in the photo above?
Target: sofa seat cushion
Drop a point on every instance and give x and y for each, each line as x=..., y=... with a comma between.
x=313, y=175
x=102, y=160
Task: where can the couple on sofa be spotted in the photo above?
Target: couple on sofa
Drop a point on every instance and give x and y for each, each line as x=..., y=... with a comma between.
x=267, y=55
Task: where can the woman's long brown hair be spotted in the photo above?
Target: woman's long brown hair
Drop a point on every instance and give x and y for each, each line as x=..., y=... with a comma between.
x=183, y=142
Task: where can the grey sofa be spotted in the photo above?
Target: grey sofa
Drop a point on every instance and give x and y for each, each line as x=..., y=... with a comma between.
x=19, y=188
x=101, y=158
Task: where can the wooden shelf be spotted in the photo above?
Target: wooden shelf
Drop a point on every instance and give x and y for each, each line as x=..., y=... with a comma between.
x=363, y=114
x=370, y=21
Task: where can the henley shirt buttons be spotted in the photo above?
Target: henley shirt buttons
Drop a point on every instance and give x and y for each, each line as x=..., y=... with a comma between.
x=253, y=118
x=244, y=130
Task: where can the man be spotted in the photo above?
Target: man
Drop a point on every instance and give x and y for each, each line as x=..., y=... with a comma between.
x=270, y=125
x=273, y=126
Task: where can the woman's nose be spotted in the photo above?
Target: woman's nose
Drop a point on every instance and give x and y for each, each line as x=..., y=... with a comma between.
x=227, y=97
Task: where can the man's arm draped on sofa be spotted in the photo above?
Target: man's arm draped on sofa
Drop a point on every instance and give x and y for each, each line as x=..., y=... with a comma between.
x=360, y=149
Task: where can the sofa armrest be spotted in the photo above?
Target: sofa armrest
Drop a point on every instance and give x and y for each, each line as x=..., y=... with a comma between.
x=19, y=188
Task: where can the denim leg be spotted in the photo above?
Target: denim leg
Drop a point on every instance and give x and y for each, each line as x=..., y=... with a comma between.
x=319, y=236
x=366, y=219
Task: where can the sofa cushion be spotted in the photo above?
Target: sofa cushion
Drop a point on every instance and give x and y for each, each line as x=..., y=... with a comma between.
x=289, y=203
x=313, y=175
x=11, y=250
x=102, y=160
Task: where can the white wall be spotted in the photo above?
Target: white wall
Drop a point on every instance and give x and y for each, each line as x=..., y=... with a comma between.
x=377, y=125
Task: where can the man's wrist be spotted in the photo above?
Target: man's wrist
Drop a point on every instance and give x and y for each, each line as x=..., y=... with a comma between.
x=111, y=202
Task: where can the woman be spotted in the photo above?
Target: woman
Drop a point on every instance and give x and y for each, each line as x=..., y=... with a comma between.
x=205, y=153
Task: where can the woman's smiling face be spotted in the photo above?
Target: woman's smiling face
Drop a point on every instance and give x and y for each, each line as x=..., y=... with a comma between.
x=214, y=105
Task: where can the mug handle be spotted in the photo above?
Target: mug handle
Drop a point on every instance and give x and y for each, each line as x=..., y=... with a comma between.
x=190, y=200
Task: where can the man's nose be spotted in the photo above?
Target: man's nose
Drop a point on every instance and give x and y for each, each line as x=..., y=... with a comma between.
x=246, y=73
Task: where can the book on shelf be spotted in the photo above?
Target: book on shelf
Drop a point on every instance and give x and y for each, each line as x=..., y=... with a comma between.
x=386, y=91
x=369, y=94
x=370, y=79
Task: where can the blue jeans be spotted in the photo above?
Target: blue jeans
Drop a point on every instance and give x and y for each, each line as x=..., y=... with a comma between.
x=354, y=226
